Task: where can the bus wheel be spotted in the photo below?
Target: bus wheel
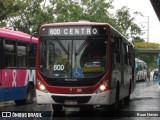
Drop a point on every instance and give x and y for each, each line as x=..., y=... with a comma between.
x=127, y=99
x=30, y=95
x=86, y=108
x=57, y=109
x=115, y=106
x=19, y=102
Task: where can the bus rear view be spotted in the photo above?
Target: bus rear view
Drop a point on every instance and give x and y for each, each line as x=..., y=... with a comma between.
x=74, y=65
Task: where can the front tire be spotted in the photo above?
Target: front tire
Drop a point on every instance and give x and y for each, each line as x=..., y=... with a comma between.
x=127, y=99
x=29, y=97
x=57, y=110
x=86, y=108
x=116, y=105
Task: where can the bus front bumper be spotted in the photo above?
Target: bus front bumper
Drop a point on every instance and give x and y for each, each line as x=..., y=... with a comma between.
x=104, y=98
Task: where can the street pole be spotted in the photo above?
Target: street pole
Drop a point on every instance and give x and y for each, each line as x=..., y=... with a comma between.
x=148, y=30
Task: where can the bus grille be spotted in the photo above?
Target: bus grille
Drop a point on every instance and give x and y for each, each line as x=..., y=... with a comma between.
x=79, y=99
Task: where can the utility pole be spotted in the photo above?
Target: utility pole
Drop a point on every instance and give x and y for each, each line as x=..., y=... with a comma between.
x=147, y=30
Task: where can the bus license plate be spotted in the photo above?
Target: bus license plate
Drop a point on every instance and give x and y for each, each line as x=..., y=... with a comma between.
x=70, y=102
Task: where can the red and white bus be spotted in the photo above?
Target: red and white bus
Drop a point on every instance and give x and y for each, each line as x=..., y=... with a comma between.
x=83, y=64
x=17, y=66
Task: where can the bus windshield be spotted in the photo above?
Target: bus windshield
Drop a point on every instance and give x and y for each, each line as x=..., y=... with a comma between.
x=68, y=57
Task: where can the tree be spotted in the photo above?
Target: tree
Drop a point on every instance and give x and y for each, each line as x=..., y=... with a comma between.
x=150, y=59
x=128, y=27
x=146, y=45
x=30, y=16
x=138, y=39
x=7, y=8
x=91, y=10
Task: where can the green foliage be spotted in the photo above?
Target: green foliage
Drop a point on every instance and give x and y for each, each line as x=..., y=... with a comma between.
x=146, y=45
x=126, y=23
x=7, y=8
x=138, y=39
x=28, y=15
x=66, y=10
x=150, y=59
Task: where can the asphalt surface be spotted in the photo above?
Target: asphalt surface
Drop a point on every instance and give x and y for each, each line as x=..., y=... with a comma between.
x=144, y=105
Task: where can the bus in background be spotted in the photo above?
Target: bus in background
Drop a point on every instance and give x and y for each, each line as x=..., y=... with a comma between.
x=83, y=64
x=17, y=66
x=141, y=70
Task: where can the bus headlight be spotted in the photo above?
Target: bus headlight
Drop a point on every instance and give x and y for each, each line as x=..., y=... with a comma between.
x=103, y=87
x=41, y=86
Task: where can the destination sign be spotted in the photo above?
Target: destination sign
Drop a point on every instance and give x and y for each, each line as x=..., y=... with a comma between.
x=72, y=31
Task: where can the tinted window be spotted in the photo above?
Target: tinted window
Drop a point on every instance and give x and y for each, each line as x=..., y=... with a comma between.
x=31, y=55
x=73, y=58
x=10, y=53
x=21, y=54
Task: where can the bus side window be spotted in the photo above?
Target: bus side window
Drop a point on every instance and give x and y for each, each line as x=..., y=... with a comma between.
x=117, y=51
x=112, y=54
x=126, y=54
x=31, y=55
x=129, y=55
x=10, y=53
x=22, y=54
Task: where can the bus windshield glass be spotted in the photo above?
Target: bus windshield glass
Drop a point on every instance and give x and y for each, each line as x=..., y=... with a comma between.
x=72, y=56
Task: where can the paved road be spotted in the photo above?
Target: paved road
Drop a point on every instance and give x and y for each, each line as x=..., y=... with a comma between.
x=144, y=100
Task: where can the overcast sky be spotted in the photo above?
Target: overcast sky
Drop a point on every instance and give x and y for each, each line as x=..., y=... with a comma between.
x=145, y=7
